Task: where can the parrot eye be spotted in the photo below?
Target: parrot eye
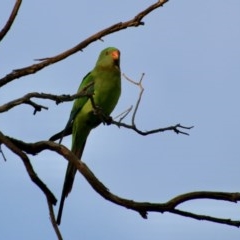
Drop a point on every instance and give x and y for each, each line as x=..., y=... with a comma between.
x=106, y=52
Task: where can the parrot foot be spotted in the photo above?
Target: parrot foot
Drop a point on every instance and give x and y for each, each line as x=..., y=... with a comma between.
x=98, y=111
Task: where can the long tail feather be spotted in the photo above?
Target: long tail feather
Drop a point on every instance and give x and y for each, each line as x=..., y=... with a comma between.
x=68, y=182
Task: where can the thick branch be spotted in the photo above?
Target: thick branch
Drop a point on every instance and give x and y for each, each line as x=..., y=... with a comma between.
x=11, y=19
x=135, y=22
x=141, y=207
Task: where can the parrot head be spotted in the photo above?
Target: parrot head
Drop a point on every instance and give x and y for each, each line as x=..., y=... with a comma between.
x=109, y=57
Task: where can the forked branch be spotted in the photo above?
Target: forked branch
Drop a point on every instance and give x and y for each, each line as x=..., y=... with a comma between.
x=141, y=207
x=176, y=128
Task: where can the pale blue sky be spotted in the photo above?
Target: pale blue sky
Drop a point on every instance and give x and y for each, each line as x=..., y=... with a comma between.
x=189, y=52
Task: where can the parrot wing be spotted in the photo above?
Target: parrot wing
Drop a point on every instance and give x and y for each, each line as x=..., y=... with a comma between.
x=87, y=85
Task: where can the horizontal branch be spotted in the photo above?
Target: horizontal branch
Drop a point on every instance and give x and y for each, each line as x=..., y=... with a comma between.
x=26, y=99
x=134, y=22
x=141, y=207
x=174, y=128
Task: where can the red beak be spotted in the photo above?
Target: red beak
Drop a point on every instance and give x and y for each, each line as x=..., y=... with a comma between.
x=115, y=55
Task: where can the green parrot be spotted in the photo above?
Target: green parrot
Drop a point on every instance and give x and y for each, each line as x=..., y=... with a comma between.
x=104, y=82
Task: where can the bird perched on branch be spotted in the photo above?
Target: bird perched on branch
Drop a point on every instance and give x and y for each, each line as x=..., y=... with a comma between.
x=104, y=83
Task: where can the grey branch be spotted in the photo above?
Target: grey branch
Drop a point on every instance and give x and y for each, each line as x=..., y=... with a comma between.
x=44, y=62
x=57, y=98
x=21, y=154
x=141, y=207
x=11, y=19
x=53, y=220
x=176, y=128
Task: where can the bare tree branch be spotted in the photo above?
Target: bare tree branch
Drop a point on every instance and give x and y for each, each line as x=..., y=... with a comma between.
x=134, y=22
x=15, y=149
x=11, y=19
x=124, y=114
x=141, y=207
x=176, y=128
x=139, y=84
x=51, y=200
x=206, y=218
x=57, y=98
x=4, y=158
x=53, y=220
x=21, y=148
x=63, y=98
x=37, y=107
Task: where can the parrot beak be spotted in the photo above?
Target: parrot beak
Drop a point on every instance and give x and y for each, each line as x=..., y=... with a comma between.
x=115, y=55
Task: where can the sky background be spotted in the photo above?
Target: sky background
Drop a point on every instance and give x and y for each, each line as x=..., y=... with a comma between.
x=190, y=54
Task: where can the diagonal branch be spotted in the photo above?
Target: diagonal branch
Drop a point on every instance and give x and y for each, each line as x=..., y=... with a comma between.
x=141, y=207
x=134, y=22
x=206, y=218
x=53, y=220
x=11, y=19
x=15, y=149
x=3, y=156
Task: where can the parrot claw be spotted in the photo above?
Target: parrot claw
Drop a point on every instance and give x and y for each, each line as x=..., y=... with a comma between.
x=98, y=111
x=107, y=120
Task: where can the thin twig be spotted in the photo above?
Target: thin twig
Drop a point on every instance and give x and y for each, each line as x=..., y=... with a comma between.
x=53, y=220
x=139, y=84
x=124, y=114
x=11, y=19
x=37, y=107
x=174, y=128
x=1, y=151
